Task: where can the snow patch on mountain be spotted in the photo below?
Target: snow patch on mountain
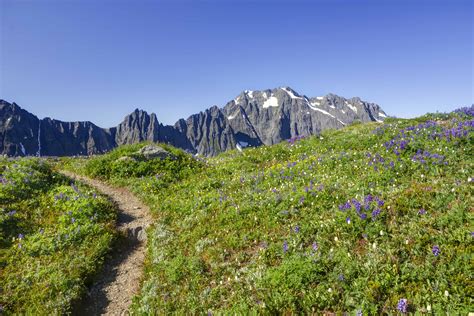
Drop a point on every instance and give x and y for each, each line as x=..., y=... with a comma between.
x=350, y=106
x=290, y=93
x=22, y=148
x=270, y=102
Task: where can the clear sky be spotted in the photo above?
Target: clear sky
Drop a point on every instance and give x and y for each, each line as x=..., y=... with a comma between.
x=99, y=60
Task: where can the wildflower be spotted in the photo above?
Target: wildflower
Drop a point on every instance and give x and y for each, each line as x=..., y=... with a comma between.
x=359, y=312
x=428, y=308
x=297, y=229
x=21, y=236
x=348, y=220
x=285, y=246
x=341, y=277
x=422, y=212
x=74, y=187
x=446, y=293
x=435, y=250
x=315, y=246
x=402, y=305
x=375, y=213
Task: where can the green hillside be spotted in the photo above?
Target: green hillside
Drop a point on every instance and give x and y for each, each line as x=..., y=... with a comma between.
x=374, y=218
x=371, y=219
x=53, y=236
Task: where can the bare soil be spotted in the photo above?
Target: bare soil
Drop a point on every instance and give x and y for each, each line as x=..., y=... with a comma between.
x=119, y=280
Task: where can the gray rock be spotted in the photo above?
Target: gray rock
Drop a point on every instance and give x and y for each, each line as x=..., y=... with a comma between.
x=154, y=151
x=253, y=118
x=136, y=233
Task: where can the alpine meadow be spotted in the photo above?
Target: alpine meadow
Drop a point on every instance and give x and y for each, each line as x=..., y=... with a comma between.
x=237, y=157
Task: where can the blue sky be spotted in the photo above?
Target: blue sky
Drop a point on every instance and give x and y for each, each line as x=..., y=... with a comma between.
x=98, y=60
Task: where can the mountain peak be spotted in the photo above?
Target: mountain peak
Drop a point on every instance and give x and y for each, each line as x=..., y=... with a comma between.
x=253, y=118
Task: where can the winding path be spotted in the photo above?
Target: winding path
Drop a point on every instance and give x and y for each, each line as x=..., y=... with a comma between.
x=119, y=280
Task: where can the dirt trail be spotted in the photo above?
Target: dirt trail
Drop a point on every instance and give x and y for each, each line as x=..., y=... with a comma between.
x=119, y=280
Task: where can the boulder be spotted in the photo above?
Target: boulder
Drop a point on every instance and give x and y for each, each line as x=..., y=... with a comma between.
x=154, y=151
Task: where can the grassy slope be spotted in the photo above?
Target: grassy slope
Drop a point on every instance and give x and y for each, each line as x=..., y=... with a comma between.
x=343, y=222
x=52, y=237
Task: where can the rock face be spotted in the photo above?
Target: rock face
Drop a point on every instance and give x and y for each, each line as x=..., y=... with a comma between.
x=253, y=118
x=153, y=151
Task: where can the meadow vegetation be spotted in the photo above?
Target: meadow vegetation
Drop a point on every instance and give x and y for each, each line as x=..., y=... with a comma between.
x=371, y=219
x=53, y=236
x=374, y=218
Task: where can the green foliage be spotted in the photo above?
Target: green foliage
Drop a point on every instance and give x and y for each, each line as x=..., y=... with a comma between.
x=53, y=237
x=126, y=166
x=341, y=222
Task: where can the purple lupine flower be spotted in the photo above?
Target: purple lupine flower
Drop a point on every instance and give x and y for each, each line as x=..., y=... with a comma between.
x=21, y=236
x=348, y=220
x=402, y=305
x=341, y=277
x=436, y=251
x=422, y=211
x=285, y=246
x=375, y=213
x=297, y=229
x=74, y=187
x=356, y=204
x=11, y=213
x=315, y=246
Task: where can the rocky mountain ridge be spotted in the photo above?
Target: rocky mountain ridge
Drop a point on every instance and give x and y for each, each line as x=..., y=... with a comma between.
x=253, y=118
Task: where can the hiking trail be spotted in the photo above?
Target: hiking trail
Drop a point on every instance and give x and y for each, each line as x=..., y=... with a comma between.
x=119, y=279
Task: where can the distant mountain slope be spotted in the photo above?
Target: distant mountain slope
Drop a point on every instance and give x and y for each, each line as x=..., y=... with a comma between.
x=253, y=118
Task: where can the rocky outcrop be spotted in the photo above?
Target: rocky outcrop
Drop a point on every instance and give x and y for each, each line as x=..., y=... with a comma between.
x=153, y=151
x=253, y=118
